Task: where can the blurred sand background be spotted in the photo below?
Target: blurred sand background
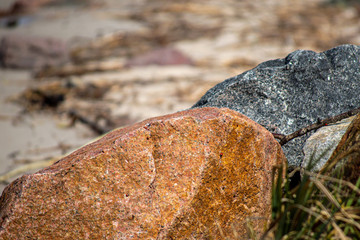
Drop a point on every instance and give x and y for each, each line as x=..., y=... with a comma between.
x=116, y=73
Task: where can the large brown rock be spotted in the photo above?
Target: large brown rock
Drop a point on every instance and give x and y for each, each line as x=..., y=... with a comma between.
x=188, y=175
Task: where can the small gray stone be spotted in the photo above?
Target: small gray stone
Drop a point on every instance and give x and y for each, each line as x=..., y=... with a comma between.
x=287, y=94
x=319, y=146
x=34, y=53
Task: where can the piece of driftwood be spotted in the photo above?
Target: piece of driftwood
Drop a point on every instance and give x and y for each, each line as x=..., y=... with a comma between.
x=76, y=116
x=74, y=69
x=115, y=45
x=286, y=138
x=27, y=167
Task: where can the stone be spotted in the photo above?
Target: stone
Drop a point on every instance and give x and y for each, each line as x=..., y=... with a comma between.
x=284, y=95
x=19, y=11
x=319, y=147
x=26, y=6
x=24, y=52
x=160, y=56
x=345, y=159
x=179, y=176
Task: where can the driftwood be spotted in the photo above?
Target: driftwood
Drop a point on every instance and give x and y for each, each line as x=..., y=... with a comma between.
x=25, y=168
x=123, y=44
x=286, y=138
x=72, y=69
x=75, y=116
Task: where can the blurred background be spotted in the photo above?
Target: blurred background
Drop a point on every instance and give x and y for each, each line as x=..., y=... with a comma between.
x=71, y=70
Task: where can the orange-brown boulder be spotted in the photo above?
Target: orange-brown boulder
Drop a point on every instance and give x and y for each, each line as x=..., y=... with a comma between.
x=194, y=174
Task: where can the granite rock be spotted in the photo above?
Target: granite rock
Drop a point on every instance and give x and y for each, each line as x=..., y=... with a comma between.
x=179, y=176
x=319, y=147
x=284, y=95
x=24, y=52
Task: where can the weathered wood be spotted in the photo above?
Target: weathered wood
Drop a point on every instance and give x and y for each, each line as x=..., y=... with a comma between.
x=72, y=69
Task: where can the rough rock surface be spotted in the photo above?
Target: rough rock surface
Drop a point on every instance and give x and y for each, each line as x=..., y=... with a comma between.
x=348, y=152
x=20, y=51
x=178, y=176
x=320, y=146
x=287, y=94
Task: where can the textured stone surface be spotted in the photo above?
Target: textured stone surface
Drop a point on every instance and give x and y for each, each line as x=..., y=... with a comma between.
x=20, y=51
x=179, y=176
x=348, y=152
x=319, y=146
x=287, y=94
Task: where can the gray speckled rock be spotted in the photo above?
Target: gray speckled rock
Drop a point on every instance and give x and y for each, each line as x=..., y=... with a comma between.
x=286, y=94
x=319, y=146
